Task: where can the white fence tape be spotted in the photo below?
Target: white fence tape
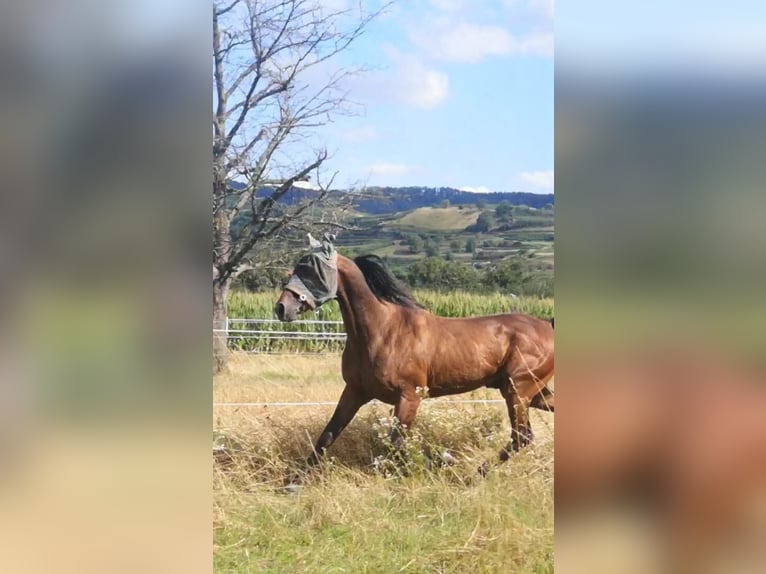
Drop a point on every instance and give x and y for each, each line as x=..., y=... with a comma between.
x=333, y=403
x=315, y=336
x=273, y=329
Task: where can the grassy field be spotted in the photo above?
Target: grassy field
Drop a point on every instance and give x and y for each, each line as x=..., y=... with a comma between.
x=360, y=512
x=438, y=218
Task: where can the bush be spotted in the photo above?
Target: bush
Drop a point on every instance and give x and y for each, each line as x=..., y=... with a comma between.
x=440, y=274
x=503, y=209
x=415, y=243
x=485, y=222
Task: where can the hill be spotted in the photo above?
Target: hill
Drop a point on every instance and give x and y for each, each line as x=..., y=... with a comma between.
x=382, y=200
x=492, y=241
x=471, y=245
x=377, y=200
x=438, y=218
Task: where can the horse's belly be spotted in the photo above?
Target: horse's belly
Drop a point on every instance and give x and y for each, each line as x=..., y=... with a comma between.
x=383, y=394
x=439, y=388
x=371, y=386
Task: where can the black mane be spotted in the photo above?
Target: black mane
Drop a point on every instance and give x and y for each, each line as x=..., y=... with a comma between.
x=382, y=283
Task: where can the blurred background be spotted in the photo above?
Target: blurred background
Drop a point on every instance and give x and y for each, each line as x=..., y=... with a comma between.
x=660, y=141
x=104, y=239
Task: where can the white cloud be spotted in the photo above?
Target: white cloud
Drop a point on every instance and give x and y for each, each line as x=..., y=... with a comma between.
x=408, y=81
x=360, y=135
x=332, y=6
x=463, y=42
x=544, y=6
x=538, y=44
x=461, y=31
x=305, y=185
x=391, y=169
x=447, y=5
x=418, y=85
x=477, y=189
x=432, y=89
x=539, y=179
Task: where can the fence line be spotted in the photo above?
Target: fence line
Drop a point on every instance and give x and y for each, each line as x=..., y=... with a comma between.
x=374, y=401
x=284, y=335
x=268, y=335
x=298, y=322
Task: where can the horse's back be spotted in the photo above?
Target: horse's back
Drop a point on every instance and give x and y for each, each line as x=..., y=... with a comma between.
x=468, y=353
x=448, y=355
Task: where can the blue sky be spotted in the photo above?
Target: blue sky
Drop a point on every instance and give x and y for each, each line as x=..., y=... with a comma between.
x=458, y=93
x=651, y=35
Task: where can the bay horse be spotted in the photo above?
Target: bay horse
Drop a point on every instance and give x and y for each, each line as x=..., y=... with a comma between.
x=395, y=348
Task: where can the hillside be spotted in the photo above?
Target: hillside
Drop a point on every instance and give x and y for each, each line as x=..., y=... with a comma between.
x=383, y=200
x=431, y=239
x=377, y=200
x=437, y=218
x=519, y=239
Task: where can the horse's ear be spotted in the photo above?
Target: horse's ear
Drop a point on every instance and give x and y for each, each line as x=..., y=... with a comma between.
x=314, y=244
x=325, y=247
x=327, y=244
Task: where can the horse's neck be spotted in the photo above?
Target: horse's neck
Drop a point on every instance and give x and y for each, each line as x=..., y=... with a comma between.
x=362, y=313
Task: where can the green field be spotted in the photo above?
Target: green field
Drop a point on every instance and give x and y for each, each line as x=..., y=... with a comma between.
x=244, y=305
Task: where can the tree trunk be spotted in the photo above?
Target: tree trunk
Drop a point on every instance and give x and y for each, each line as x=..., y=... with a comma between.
x=220, y=334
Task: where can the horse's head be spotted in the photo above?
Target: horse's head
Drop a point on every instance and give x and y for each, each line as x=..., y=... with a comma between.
x=314, y=281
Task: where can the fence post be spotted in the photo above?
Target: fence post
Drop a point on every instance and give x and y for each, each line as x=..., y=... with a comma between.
x=226, y=330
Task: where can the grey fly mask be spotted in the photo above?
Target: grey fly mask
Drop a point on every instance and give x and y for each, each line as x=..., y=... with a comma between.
x=315, y=277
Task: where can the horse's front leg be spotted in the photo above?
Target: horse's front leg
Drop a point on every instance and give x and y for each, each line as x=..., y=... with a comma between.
x=349, y=403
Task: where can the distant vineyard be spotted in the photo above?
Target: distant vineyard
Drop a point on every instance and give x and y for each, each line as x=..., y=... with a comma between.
x=245, y=305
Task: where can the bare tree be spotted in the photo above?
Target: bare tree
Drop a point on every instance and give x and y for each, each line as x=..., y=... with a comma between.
x=274, y=85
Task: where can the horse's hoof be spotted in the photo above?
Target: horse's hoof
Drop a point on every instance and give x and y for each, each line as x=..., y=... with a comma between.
x=292, y=488
x=294, y=479
x=483, y=469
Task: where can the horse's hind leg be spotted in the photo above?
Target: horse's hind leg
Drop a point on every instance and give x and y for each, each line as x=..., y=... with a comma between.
x=521, y=429
x=543, y=400
x=518, y=396
x=348, y=405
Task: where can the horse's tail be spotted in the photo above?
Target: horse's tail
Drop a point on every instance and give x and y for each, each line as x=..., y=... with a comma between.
x=552, y=327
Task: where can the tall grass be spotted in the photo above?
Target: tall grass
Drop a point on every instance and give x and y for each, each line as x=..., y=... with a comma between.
x=351, y=517
x=364, y=510
x=244, y=304
x=454, y=304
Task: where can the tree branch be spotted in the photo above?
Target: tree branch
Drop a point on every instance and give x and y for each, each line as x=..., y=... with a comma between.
x=266, y=102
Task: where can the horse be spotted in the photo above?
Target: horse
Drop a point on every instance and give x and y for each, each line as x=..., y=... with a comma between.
x=395, y=349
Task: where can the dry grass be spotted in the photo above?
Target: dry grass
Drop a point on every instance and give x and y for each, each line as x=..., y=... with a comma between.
x=360, y=512
x=439, y=218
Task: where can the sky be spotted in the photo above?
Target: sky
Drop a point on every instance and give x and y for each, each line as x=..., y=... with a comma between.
x=457, y=93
